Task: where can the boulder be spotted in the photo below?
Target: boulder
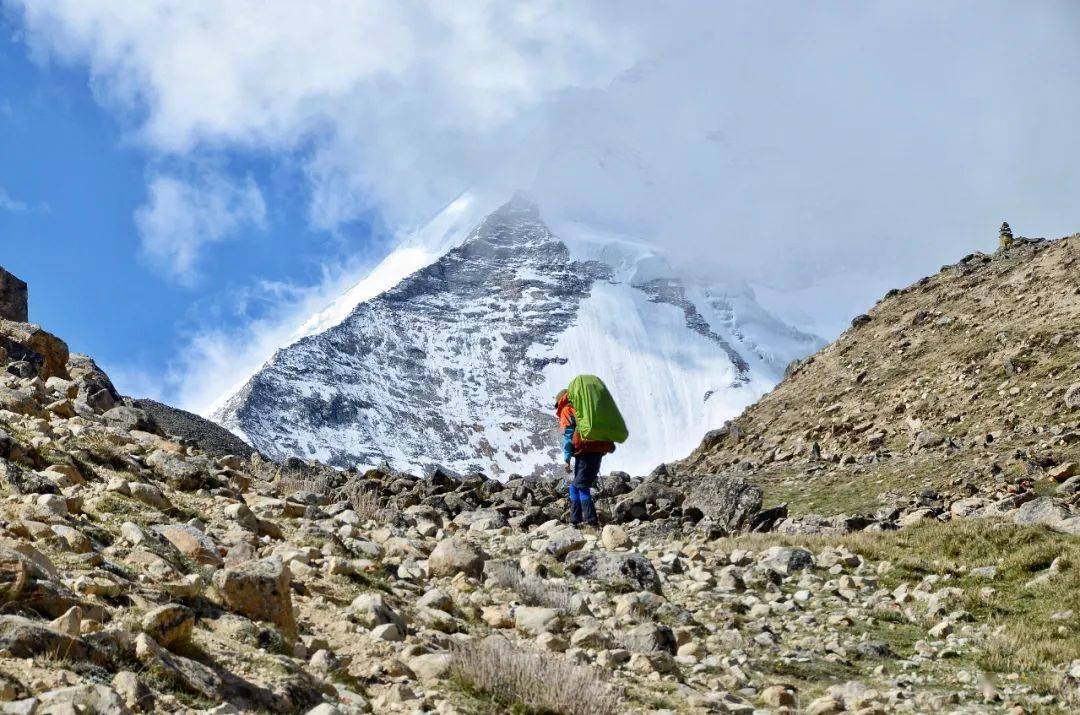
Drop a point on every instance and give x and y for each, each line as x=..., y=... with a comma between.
x=1063, y=471
x=431, y=668
x=537, y=619
x=28, y=342
x=614, y=537
x=620, y=570
x=178, y=472
x=1044, y=511
x=128, y=419
x=189, y=674
x=260, y=590
x=726, y=501
x=1072, y=396
x=94, y=388
x=99, y=699
x=14, y=298
x=563, y=541
x=21, y=401
x=23, y=638
x=786, y=560
x=148, y=494
x=649, y=638
x=453, y=556
x=646, y=501
x=192, y=543
x=170, y=625
x=134, y=692
x=371, y=610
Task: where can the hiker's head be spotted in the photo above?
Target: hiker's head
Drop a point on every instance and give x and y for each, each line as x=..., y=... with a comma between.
x=559, y=398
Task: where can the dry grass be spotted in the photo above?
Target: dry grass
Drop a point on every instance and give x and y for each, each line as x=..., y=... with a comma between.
x=528, y=681
x=362, y=499
x=532, y=590
x=1026, y=639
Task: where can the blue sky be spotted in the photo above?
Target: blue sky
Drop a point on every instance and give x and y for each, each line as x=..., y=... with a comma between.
x=182, y=183
x=73, y=181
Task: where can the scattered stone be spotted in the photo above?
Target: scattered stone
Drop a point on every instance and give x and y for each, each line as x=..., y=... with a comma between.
x=260, y=590
x=453, y=556
x=169, y=625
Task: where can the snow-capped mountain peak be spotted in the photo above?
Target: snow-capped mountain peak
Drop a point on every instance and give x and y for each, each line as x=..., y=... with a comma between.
x=456, y=362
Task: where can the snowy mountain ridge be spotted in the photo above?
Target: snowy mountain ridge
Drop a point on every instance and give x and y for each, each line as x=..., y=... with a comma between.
x=451, y=352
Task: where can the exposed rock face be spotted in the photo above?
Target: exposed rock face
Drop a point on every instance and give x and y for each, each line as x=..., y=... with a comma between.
x=415, y=331
x=26, y=343
x=13, y=298
x=456, y=365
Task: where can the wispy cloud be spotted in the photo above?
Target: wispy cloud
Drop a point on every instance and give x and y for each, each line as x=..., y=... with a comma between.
x=184, y=214
x=7, y=203
x=215, y=359
x=12, y=205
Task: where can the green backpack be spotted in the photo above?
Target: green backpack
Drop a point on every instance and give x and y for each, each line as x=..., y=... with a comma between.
x=598, y=417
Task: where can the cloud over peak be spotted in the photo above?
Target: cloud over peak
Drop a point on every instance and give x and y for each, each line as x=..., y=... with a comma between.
x=184, y=214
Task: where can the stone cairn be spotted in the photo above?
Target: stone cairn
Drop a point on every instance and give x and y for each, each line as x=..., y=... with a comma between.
x=1005, y=235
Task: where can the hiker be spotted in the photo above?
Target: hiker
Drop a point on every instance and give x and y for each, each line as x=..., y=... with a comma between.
x=600, y=418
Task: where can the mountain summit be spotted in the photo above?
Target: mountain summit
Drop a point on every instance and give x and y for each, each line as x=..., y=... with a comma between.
x=457, y=363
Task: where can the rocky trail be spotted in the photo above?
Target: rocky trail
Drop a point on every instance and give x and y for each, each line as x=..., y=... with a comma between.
x=145, y=569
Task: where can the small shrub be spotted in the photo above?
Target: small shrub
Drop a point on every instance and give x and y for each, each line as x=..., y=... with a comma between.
x=533, y=591
x=538, y=682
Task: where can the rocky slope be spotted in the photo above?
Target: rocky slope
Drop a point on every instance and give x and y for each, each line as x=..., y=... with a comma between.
x=137, y=573
x=458, y=363
x=963, y=388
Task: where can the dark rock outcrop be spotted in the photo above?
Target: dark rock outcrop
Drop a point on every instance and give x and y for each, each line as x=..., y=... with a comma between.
x=13, y=298
x=211, y=438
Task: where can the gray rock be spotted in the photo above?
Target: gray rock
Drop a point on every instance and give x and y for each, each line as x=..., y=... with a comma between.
x=1072, y=396
x=786, y=560
x=14, y=298
x=183, y=474
x=564, y=541
x=260, y=590
x=726, y=501
x=190, y=674
x=649, y=638
x=130, y=418
x=135, y=693
x=22, y=638
x=371, y=610
x=170, y=625
x=453, y=556
x=98, y=699
x=1044, y=511
x=619, y=570
x=537, y=619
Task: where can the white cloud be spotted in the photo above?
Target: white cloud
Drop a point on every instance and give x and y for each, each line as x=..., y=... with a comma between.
x=382, y=99
x=12, y=205
x=184, y=214
x=16, y=206
x=795, y=143
x=215, y=359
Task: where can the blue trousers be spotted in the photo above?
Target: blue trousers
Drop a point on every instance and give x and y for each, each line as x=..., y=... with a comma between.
x=586, y=470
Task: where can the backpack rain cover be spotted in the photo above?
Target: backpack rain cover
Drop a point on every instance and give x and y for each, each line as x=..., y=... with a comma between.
x=598, y=418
